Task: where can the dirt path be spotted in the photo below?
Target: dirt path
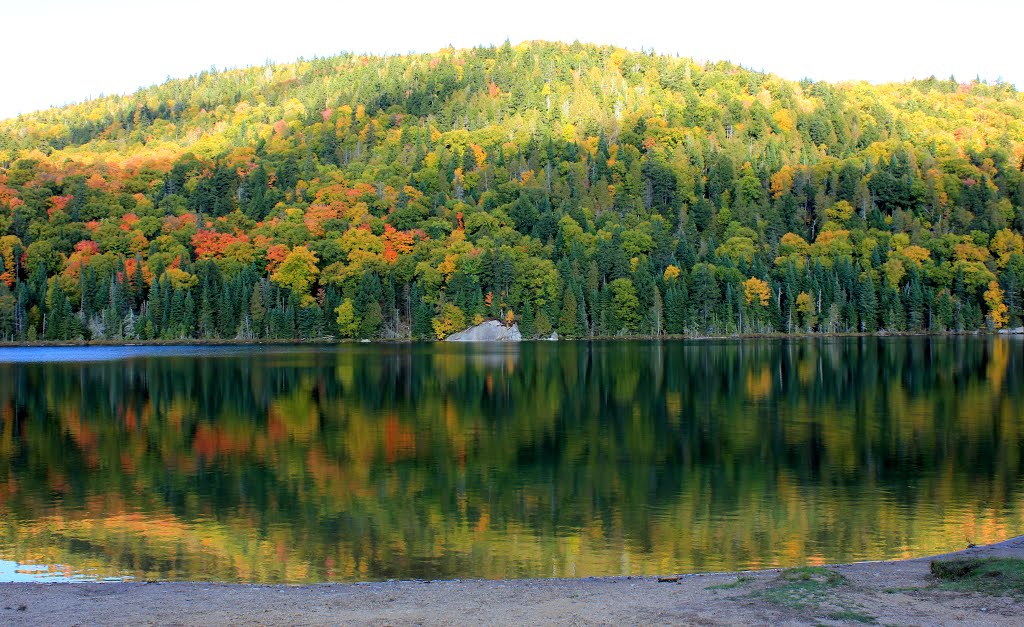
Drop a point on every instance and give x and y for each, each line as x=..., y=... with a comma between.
x=875, y=592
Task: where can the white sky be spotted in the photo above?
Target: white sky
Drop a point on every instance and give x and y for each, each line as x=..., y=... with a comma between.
x=61, y=51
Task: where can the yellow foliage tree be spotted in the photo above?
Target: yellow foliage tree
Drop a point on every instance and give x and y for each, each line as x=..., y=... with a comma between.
x=450, y=320
x=831, y=245
x=894, y=271
x=996, y=307
x=757, y=290
x=792, y=247
x=917, y=254
x=448, y=266
x=805, y=306
x=793, y=244
x=784, y=120
x=181, y=280
x=348, y=325
x=671, y=273
x=297, y=272
x=9, y=245
x=840, y=212
x=1005, y=244
x=969, y=251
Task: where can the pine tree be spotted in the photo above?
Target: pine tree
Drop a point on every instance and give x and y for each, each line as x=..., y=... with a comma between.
x=188, y=317
x=423, y=314
x=137, y=284
x=526, y=321
x=227, y=324
x=675, y=308
x=289, y=323
x=915, y=303
x=309, y=321
x=944, y=317
x=704, y=295
x=542, y=326
x=155, y=306
x=657, y=316
x=59, y=322
x=567, y=316
x=581, y=313
x=367, y=305
x=390, y=305
x=867, y=304
x=207, y=325
x=257, y=310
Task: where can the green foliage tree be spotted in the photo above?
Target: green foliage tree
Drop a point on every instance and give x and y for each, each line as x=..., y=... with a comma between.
x=297, y=272
x=348, y=325
x=626, y=303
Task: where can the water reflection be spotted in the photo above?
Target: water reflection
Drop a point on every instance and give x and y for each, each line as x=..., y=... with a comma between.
x=568, y=459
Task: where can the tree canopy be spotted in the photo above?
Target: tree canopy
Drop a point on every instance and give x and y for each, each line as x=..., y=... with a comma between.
x=592, y=190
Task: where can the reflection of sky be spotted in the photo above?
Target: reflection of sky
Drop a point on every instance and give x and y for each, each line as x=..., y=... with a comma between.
x=15, y=572
x=47, y=354
x=488, y=353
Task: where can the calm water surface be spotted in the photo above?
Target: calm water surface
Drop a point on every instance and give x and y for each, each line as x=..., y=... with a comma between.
x=300, y=464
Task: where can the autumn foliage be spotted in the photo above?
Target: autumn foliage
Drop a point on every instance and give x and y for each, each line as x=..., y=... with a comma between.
x=514, y=179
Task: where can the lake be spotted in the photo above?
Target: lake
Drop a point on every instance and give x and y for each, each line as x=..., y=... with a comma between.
x=569, y=459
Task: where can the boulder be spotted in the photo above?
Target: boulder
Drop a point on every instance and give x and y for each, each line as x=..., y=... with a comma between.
x=489, y=331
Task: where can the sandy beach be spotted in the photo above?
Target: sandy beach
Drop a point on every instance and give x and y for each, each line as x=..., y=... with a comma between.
x=895, y=592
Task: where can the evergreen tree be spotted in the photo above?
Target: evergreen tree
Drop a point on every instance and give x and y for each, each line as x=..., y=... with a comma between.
x=581, y=313
x=422, y=315
x=704, y=296
x=207, y=325
x=367, y=305
x=675, y=307
x=867, y=304
x=944, y=318
x=656, y=318
x=257, y=310
x=188, y=316
x=526, y=322
x=567, y=318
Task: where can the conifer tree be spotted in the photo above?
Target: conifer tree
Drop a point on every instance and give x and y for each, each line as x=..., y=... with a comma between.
x=567, y=317
x=526, y=321
x=867, y=304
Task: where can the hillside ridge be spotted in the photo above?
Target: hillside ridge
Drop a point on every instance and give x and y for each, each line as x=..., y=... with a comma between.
x=586, y=189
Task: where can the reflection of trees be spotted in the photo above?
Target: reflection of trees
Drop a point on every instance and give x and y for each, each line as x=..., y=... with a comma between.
x=444, y=460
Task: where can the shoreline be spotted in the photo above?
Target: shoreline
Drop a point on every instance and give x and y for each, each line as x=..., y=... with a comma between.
x=881, y=592
x=327, y=341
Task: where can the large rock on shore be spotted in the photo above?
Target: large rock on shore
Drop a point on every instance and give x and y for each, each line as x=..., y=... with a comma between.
x=490, y=331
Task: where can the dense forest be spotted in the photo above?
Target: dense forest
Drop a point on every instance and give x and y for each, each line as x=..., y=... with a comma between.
x=590, y=190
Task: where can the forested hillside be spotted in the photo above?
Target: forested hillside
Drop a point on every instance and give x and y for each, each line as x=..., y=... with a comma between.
x=588, y=190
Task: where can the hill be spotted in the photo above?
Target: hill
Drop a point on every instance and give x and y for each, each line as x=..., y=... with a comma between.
x=587, y=189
